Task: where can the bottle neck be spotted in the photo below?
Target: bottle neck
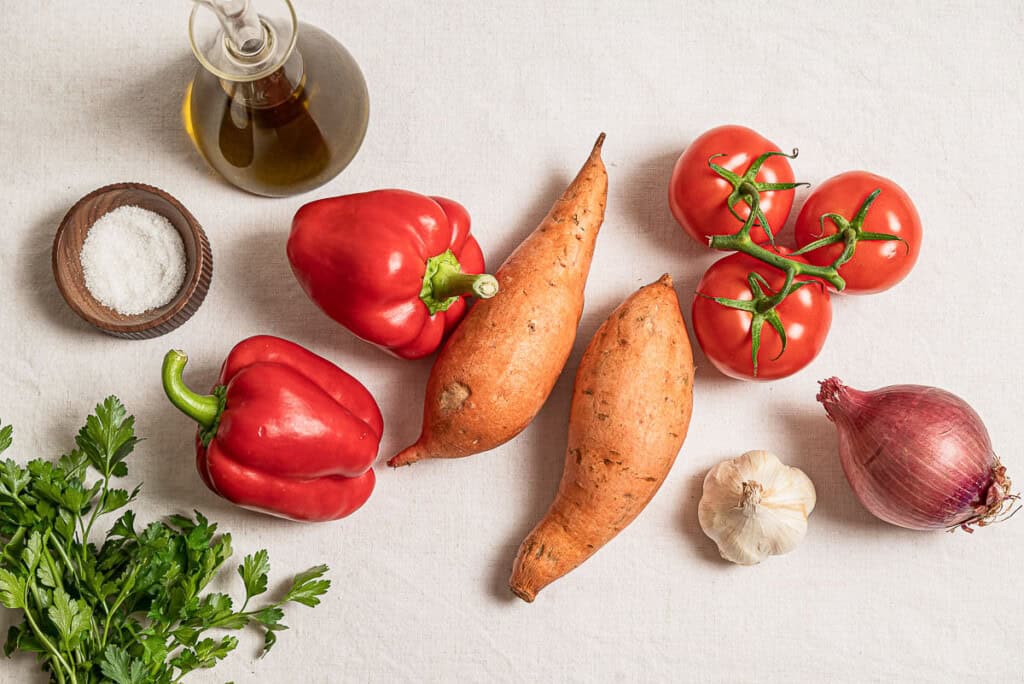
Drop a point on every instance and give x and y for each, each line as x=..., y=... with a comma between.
x=271, y=90
x=254, y=45
x=241, y=24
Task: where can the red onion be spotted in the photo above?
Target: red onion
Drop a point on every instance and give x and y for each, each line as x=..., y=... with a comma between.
x=918, y=457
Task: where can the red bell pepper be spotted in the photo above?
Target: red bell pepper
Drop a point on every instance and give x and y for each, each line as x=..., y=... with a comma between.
x=392, y=266
x=285, y=431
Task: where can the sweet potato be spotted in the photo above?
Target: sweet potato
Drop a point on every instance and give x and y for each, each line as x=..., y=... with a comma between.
x=501, y=363
x=630, y=411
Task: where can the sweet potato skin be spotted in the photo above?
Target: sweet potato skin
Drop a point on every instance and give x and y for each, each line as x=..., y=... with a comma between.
x=501, y=363
x=630, y=412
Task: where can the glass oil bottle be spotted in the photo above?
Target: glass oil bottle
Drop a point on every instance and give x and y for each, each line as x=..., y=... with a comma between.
x=277, y=107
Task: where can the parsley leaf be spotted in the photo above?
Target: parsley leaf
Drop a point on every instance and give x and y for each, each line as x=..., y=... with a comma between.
x=254, y=570
x=124, y=527
x=269, y=616
x=307, y=587
x=70, y=617
x=6, y=437
x=270, y=637
x=121, y=668
x=108, y=436
x=13, y=478
x=114, y=499
x=33, y=551
x=12, y=589
x=46, y=576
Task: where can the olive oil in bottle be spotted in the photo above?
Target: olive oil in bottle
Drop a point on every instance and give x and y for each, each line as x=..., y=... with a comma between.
x=282, y=117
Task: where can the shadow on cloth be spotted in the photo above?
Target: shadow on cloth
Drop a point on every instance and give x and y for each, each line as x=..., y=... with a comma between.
x=155, y=126
x=36, y=274
x=814, y=450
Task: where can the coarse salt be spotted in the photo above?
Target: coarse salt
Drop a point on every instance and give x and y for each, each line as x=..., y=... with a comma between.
x=133, y=260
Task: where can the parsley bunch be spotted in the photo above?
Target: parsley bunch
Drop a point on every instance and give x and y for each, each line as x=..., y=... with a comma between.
x=131, y=610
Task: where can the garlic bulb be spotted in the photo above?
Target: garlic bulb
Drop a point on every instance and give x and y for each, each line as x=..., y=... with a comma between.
x=755, y=506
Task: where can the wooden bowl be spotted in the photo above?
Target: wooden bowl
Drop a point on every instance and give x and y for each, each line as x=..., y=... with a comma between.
x=67, y=264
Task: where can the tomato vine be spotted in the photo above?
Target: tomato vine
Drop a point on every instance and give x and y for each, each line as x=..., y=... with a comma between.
x=763, y=303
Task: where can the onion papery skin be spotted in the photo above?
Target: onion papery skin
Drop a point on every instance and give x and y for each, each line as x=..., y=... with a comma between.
x=916, y=456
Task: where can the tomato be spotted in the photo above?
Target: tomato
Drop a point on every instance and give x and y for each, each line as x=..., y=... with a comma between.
x=698, y=196
x=876, y=265
x=724, y=333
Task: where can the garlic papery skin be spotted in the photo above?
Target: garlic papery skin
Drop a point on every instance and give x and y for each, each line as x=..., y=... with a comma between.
x=755, y=506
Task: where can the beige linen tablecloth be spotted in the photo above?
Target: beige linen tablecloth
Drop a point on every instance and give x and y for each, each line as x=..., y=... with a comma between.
x=496, y=105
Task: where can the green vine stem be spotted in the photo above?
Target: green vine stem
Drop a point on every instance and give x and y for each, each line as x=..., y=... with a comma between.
x=746, y=187
x=743, y=243
x=851, y=232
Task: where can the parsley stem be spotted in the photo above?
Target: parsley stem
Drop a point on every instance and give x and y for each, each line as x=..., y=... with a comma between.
x=95, y=511
x=45, y=641
x=15, y=539
x=128, y=584
x=31, y=586
x=67, y=561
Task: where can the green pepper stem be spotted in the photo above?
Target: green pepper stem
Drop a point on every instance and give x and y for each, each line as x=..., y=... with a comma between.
x=444, y=282
x=457, y=284
x=204, y=409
